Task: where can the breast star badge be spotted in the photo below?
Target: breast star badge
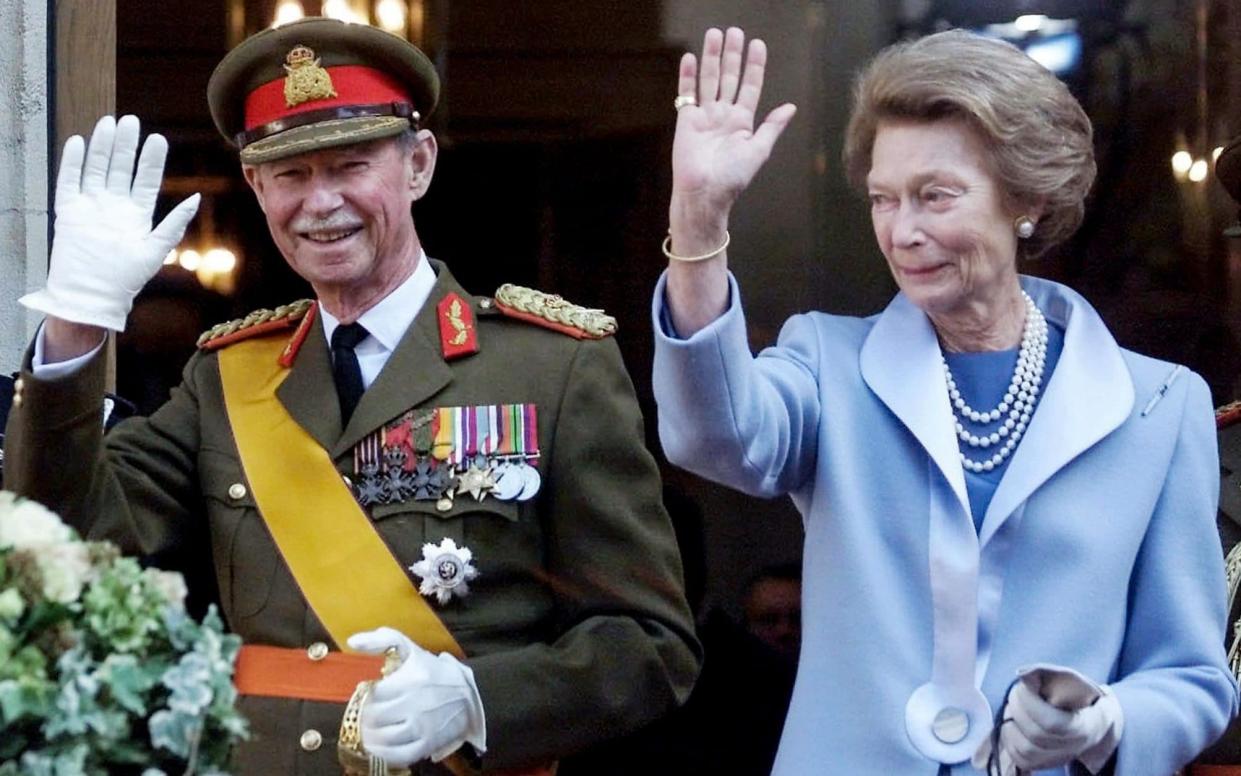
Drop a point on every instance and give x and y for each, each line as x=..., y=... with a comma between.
x=445, y=571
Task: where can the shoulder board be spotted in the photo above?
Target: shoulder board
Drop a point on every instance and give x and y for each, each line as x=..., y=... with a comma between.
x=257, y=323
x=553, y=312
x=1227, y=415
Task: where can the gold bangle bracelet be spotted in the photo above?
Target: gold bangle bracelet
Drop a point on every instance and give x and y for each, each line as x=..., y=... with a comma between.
x=667, y=249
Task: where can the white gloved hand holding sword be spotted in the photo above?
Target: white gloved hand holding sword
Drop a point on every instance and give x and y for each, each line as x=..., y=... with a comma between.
x=425, y=709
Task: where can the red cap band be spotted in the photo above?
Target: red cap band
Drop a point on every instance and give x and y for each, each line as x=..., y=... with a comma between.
x=354, y=85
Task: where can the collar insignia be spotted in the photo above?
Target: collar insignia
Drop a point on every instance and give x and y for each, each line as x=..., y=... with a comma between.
x=458, y=335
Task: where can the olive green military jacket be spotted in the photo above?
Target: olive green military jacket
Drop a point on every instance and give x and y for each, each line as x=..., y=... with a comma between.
x=1227, y=750
x=576, y=628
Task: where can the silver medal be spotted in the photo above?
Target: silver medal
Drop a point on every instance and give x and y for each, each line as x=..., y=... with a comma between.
x=531, y=480
x=509, y=482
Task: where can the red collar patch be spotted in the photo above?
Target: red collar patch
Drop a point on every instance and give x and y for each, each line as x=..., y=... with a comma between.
x=458, y=334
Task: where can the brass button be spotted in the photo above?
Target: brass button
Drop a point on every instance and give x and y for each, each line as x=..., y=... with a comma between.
x=348, y=482
x=17, y=400
x=236, y=491
x=311, y=740
x=317, y=651
x=485, y=303
x=19, y=384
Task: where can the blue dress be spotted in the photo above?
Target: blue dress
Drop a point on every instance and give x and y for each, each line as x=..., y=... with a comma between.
x=982, y=378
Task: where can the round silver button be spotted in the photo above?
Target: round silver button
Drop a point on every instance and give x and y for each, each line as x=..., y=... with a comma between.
x=236, y=491
x=485, y=303
x=950, y=725
x=317, y=651
x=348, y=482
x=311, y=740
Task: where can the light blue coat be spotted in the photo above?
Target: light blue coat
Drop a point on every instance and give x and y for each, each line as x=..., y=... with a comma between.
x=1098, y=550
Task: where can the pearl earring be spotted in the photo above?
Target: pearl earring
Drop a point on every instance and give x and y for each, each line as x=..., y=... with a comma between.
x=1024, y=226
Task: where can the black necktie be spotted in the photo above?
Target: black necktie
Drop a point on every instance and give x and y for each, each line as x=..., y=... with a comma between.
x=345, y=369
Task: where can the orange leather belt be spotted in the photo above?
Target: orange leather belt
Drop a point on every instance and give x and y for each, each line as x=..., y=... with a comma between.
x=280, y=672
x=1213, y=770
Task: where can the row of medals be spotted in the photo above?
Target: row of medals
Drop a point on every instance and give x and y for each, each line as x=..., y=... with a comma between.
x=386, y=478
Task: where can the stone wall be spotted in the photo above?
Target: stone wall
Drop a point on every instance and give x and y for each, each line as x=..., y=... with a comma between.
x=23, y=168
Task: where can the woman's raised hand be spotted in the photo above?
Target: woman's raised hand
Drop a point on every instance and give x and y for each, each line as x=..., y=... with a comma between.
x=717, y=150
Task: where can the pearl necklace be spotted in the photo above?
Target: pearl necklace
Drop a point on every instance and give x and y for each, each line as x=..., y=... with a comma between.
x=1018, y=401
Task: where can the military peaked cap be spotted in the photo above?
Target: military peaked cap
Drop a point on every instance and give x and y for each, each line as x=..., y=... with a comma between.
x=318, y=83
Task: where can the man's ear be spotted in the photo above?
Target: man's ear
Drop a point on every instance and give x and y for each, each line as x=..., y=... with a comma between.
x=251, y=174
x=422, y=156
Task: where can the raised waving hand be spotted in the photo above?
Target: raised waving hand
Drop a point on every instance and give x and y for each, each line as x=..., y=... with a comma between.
x=717, y=150
x=715, y=154
x=105, y=249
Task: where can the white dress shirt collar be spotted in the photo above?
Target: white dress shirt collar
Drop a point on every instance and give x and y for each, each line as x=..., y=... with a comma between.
x=388, y=320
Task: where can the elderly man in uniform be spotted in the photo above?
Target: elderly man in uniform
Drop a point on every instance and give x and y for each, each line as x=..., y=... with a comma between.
x=1223, y=758
x=396, y=477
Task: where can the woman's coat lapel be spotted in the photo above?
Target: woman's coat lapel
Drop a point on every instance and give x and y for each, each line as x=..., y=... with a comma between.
x=1089, y=395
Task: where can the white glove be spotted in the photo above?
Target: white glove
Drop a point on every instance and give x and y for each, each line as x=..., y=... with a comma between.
x=105, y=250
x=1036, y=734
x=428, y=707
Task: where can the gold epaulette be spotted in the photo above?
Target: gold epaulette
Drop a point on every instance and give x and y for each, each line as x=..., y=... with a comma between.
x=1227, y=415
x=553, y=312
x=259, y=322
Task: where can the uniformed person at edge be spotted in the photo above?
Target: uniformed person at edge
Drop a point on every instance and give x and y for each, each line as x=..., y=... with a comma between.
x=1223, y=758
x=396, y=467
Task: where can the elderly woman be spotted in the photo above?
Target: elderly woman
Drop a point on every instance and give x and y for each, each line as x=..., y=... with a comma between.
x=987, y=481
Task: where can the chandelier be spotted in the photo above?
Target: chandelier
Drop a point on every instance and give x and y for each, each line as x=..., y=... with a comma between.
x=405, y=18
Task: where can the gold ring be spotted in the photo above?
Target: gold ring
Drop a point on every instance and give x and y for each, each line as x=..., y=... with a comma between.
x=684, y=99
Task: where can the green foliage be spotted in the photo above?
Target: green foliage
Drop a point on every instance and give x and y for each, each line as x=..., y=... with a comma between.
x=101, y=670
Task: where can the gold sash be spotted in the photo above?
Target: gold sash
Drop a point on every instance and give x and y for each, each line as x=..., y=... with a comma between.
x=345, y=570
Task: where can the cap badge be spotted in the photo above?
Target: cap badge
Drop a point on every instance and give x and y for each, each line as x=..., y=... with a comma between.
x=306, y=79
x=445, y=570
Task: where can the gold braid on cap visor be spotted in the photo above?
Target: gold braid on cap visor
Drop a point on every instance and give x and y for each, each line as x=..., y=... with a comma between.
x=398, y=109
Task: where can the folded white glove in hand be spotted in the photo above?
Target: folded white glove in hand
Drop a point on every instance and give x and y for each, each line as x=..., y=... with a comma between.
x=428, y=707
x=105, y=250
x=1036, y=734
